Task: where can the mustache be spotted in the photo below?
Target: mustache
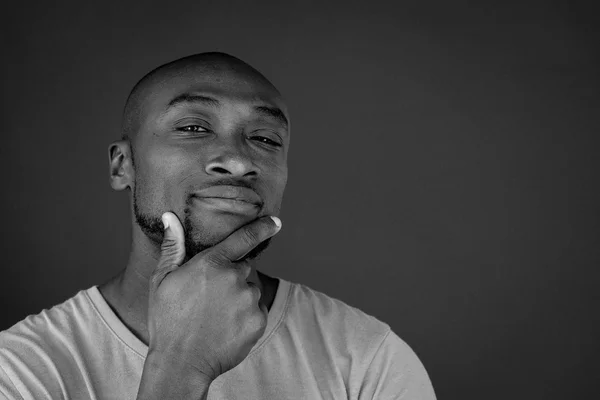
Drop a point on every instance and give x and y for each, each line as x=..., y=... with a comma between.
x=227, y=182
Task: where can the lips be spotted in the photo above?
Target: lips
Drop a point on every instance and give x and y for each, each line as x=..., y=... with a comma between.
x=227, y=192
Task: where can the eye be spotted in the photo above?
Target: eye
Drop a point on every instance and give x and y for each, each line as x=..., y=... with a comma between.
x=265, y=140
x=192, y=128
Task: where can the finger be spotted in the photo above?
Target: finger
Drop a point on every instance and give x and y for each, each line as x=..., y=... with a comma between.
x=172, y=250
x=243, y=240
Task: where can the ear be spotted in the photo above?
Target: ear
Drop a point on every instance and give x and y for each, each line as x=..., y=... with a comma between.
x=121, y=165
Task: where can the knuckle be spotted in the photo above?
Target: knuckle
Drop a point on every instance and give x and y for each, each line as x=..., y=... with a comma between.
x=230, y=275
x=251, y=295
x=215, y=257
x=258, y=321
x=168, y=247
x=255, y=292
x=247, y=297
x=168, y=241
x=251, y=236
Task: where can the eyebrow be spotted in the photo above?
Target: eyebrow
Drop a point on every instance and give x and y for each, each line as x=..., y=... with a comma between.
x=265, y=111
x=273, y=112
x=193, y=98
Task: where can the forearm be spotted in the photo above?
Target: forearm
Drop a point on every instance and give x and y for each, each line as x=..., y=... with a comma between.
x=162, y=379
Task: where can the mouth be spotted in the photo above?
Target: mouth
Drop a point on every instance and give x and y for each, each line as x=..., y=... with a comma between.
x=239, y=193
x=228, y=205
x=229, y=199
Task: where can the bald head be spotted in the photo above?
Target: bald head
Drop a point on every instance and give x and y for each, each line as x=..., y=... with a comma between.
x=212, y=67
x=207, y=120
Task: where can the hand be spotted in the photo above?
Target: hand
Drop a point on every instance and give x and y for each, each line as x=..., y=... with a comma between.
x=203, y=313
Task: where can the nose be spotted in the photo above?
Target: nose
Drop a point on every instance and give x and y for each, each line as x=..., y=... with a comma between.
x=232, y=164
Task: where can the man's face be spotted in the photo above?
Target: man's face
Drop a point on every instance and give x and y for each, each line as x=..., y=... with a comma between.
x=199, y=131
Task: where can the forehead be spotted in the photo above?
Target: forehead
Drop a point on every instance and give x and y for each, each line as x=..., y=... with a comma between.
x=225, y=84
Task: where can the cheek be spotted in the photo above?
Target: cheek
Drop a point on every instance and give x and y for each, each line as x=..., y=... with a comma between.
x=161, y=174
x=276, y=184
x=282, y=180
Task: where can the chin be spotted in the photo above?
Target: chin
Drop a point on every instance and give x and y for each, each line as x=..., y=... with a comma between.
x=210, y=230
x=205, y=233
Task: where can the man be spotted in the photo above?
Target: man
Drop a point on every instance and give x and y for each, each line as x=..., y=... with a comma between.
x=204, y=154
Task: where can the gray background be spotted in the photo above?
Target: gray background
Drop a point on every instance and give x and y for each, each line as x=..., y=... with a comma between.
x=443, y=172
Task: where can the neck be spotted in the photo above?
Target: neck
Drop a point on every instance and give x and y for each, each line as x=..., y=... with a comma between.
x=127, y=292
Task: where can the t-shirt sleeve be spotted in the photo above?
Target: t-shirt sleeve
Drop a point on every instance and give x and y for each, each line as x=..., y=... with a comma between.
x=7, y=388
x=396, y=373
x=27, y=371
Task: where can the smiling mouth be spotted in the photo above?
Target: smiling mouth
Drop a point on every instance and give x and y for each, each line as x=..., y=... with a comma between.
x=228, y=205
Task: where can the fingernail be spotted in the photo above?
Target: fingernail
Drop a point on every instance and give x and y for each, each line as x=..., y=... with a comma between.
x=165, y=221
x=277, y=221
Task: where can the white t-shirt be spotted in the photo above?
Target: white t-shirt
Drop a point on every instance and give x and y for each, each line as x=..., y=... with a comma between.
x=314, y=347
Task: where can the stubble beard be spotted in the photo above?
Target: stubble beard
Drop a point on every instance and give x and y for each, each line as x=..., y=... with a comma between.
x=152, y=227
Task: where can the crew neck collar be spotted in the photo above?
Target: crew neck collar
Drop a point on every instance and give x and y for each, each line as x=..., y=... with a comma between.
x=116, y=326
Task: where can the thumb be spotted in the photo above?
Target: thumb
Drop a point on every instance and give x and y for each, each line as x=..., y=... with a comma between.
x=172, y=249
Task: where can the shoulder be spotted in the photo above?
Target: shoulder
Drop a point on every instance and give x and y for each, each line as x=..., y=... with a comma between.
x=335, y=313
x=57, y=321
x=382, y=363
x=395, y=370
x=36, y=349
x=314, y=312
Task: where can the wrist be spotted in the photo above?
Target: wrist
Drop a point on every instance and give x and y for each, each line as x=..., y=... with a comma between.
x=171, y=378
